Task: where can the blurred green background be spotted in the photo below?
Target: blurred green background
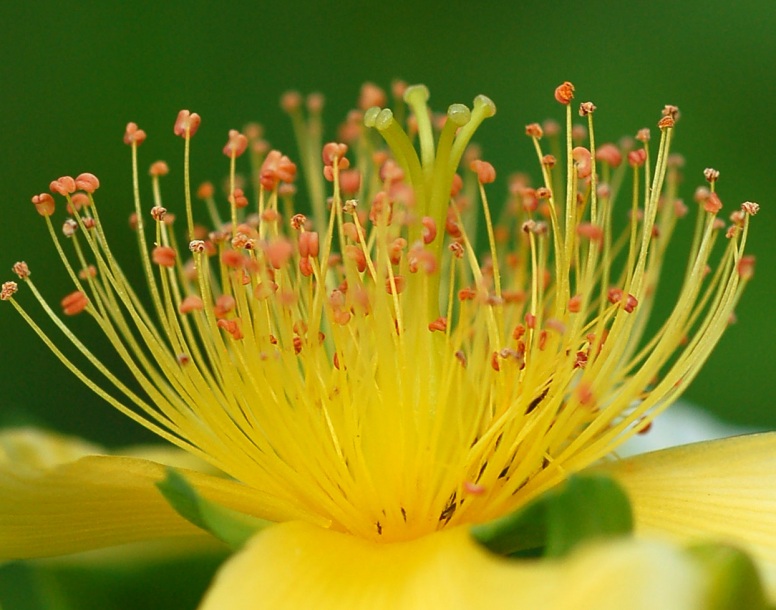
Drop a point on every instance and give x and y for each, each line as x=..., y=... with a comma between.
x=73, y=73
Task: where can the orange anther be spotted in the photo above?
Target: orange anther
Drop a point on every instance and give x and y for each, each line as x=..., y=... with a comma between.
x=582, y=161
x=159, y=168
x=309, y=244
x=164, y=256
x=486, y=173
x=44, y=204
x=87, y=182
x=64, y=186
x=236, y=144
x=564, y=93
x=186, y=124
x=74, y=303
x=440, y=324
x=609, y=154
x=191, y=303
x=21, y=269
x=134, y=135
x=7, y=290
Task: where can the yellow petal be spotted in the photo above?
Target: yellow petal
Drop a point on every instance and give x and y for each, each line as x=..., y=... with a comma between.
x=55, y=499
x=723, y=490
x=299, y=566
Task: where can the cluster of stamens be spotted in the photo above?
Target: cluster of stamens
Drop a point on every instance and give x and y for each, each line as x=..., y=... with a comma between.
x=365, y=366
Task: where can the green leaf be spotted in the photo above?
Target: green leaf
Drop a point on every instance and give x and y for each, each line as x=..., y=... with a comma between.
x=734, y=581
x=228, y=525
x=585, y=507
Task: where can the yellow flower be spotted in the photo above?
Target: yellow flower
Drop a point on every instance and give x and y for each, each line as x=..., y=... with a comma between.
x=365, y=379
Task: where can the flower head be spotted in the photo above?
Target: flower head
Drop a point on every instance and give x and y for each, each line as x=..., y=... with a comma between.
x=367, y=368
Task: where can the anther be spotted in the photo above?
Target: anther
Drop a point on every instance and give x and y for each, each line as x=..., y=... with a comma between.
x=69, y=227
x=637, y=158
x=750, y=207
x=630, y=303
x=534, y=130
x=298, y=222
x=712, y=203
x=711, y=175
x=564, y=93
x=163, y=256
x=191, y=303
x=586, y=108
x=549, y=161
x=309, y=244
x=643, y=135
x=609, y=154
x=669, y=110
x=236, y=144
x=87, y=182
x=21, y=269
x=159, y=168
x=89, y=273
x=225, y=304
x=134, y=135
x=440, y=324
x=232, y=327
x=158, y=213
x=64, y=186
x=486, y=173
x=74, y=303
x=429, y=231
x=575, y=303
x=457, y=249
x=7, y=290
x=349, y=207
x=197, y=245
x=187, y=123
x=582, y=161
x=745, y=267
x=665, y=122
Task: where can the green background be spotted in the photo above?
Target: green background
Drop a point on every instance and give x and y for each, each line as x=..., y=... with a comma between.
x=73, y=73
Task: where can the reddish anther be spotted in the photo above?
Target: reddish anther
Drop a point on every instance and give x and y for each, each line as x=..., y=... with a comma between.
x=609, y=154
x=191, y=303
x=712, y=204
x=305, y=266
x=236, y=144
x=87, y=182
x=643, y=135
x=486, y=173
x=64, y=186
x=232, y=327
x=163, y=256
x=440, y=324
x=583, y=161
x=291, y=101
x=630, y=303
x=159, y=168
x=586, y=108
x=614, y=295
x=89, y=273
x=637, y=158
x=21, y=269
x=575, y=303
x=233, y=259
x=456, y=185
x=549, y=161
x=278, y=252
x=395, y=286
x=7, y=290
x=186, y=124
x=564, y=93
x=134, y=135
x=225, y=304
x=534, y=130
x=238, y=198
x=158, y=213
x=745, y=267
x=205, y=190
x=350, y=181
x=74, y=303
x=371, y=95
x=429, y=231
x=593, y=232
x=332, y=151
x=309, y=244
x=665, y=122
x=750, y=207
x=44, y=204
